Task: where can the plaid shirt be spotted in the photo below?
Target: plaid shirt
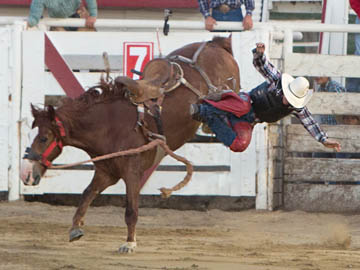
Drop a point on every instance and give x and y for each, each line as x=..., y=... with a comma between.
x=205, y=5
x=58, y=9
x=335, y=87
x=273, y=77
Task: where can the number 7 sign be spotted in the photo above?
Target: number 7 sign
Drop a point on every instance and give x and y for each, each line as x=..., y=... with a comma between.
x=136, y=55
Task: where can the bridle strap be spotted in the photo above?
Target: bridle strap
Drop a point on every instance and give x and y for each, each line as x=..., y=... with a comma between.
x=193, y=63
x=48, y=151
x=43, y=159
x=60, y=126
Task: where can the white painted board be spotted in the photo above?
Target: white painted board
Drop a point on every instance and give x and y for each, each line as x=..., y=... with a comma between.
x=4, y=115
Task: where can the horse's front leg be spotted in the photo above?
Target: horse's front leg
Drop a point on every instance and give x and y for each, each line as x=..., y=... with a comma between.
x=99, y=182
x=132, y=181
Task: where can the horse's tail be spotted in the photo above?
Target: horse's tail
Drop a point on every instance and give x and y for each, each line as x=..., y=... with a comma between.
x=224, y=42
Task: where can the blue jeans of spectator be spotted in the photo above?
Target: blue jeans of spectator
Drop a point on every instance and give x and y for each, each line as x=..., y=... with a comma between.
x=353, y=84
x=234, y=15
x=357, y=39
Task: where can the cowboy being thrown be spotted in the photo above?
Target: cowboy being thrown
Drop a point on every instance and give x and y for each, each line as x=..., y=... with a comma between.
x=232, y=116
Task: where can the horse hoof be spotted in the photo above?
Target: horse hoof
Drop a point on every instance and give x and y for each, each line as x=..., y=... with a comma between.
x=128, y=247
x=76, y=234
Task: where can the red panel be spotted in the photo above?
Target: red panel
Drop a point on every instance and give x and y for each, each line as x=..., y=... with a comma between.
x=151, y=4
x=61, y=71
x=15, y=2
x=136, y=55
x=124, y=3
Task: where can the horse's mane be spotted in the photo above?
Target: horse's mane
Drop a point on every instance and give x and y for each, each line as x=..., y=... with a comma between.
x=104, y=92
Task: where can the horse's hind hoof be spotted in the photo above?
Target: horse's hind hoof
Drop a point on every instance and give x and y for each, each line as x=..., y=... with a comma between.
x=76, y=234
x=128, y=247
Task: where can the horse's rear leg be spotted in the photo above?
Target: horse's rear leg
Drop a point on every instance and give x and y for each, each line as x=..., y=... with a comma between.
x=131, y=213
x=99, y=182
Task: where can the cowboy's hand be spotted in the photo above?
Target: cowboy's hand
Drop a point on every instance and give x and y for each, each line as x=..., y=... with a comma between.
x=260, y=47
x=209, y=23
x=248, y=22
x=90, y=22
x=332, y=144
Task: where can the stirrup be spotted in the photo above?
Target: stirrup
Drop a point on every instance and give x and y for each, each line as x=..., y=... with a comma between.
x=195, y=113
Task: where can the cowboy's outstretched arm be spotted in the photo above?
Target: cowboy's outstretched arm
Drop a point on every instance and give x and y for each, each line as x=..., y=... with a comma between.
x=263, y=65
x=315, y=130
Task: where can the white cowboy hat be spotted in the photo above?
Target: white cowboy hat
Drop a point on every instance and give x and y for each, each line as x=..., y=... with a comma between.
x=296, y=91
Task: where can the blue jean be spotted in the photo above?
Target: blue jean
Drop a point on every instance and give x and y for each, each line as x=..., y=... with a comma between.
x=234, y=15
x=357, y=39
x=218, y=121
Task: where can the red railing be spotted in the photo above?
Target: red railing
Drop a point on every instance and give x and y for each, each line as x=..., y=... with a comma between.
x=124, y=3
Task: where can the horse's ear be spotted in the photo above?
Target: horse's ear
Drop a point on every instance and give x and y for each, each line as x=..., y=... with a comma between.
x=51, y=112
x=34, y=110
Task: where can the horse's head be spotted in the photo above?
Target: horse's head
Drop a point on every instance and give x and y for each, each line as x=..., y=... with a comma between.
x=45, y=145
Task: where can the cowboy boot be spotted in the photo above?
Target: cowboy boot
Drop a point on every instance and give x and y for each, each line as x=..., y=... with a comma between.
x=195, y=112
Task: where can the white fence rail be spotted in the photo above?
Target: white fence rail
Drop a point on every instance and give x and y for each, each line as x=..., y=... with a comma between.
x=131, y=25
x=298, y=64
x=199, y=25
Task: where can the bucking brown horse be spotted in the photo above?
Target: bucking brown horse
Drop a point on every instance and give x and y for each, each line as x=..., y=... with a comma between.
x=105, y=119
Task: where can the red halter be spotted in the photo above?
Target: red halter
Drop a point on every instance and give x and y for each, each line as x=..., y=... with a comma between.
x=55, y=143
x=30, y=154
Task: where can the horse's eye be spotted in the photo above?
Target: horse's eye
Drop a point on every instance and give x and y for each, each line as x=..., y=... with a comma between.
x=43, y=139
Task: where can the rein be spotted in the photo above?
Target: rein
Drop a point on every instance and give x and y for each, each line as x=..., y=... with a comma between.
x=165, y=192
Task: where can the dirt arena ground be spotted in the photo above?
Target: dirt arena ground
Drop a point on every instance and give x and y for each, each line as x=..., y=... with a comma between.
x=35, y=236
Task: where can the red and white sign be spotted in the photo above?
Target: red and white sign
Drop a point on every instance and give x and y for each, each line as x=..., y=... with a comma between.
x=136, y=55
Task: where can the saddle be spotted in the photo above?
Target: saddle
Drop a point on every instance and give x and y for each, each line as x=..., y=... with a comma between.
x=159, y=77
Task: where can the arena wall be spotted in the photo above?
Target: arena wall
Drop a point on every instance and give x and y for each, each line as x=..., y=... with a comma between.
x=271, y=183
x=213, y=162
